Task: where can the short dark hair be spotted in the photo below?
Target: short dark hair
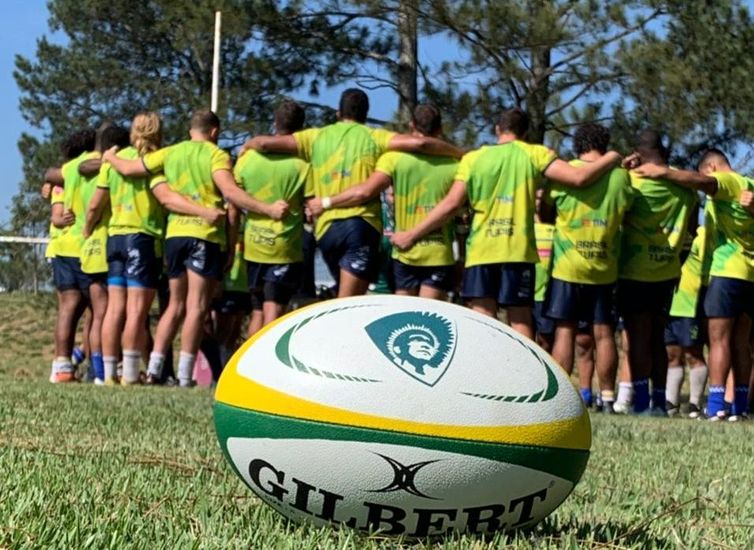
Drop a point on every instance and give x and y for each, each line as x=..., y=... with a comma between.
x=651, y=141
x=591, y=137
x=515, y=121
x=205, y=121
x=714, y=154
x=114, y=135
x=427, y=119
x=354, y=105
x=78, y=142
x=289, y=117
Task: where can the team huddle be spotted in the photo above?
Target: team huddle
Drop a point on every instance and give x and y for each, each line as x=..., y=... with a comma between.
x=570, y=250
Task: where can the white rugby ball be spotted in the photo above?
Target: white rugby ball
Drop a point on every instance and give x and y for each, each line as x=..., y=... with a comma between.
x=401, y=415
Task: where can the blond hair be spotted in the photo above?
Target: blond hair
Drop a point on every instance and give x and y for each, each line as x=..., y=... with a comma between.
x=146, y=132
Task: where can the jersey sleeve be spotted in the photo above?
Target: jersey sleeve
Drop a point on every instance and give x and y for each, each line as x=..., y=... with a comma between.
x=57, y=194
x=155, y=162
x=465, y=166
x=382, y=138
x=156, y=180
x=387, y=163
x=103, y=177
x=239, y=166
x=305, y=142
x=220, y=160
x=541, y=157
x=729, y=187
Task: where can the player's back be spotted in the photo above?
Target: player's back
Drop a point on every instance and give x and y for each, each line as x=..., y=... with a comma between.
x=77, y=194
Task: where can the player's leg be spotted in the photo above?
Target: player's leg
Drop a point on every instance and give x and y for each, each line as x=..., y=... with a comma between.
x=741, y=362
x=115, y=314
x=638, y=340
x=722, y=305
x=563, y=347
x=480, y=288
x=69, y=312
x=407, y=283
x=256, y=319
x=360, y=261
x=544, y=327
x=625, y=399
x=584, y=359
x=676, y=363
x=697, y=364
x=659, y=374
x=280, y=283
x=437, y=282
x=562, y=305
x=517, y=296
x=606, y=363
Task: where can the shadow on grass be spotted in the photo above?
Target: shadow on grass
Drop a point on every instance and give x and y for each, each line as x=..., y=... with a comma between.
x=601, y=534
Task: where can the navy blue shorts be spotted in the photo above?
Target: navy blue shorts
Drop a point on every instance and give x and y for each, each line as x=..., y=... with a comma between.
x=353, y=245
x=729, y=298
x=543, y=325
x=232, y=302
x=411, y=277
x=67, y=274
x=132, y=261
x=636, y=297
x=274, y=282
x=511, y=284
x=202, y=257
x=685, y=332
x=576, y=302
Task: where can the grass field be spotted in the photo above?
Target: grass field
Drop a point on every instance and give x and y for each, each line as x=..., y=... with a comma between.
x=88, y=467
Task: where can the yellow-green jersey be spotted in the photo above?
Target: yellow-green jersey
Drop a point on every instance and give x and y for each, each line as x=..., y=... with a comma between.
x=188, y=167
x=269, y=178
x=686, y=296
x=419, y=183
x=501, y=181
x=236, y=279
x=587, y=240
x=732, y=237
x=134, y=209
x=342, y=155
x=56, y=196
x=654, y=229
x=77, y=193
x=543, y=233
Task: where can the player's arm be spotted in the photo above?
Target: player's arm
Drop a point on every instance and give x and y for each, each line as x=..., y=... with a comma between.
x=234, y=218
x=271, y=144
x=54, y=176
x=583, y=175
x=424, y=144
x=437, y=217
x=178, y=204
x=747, y=201
x=685, y=178
x=354, y=196
x=97, y=204
x=90, y=167
x=125, y=167
x=234, y=194
x=61, y=217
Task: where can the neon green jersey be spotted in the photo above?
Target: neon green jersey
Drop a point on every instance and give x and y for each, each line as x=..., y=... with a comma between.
x=654, y=229
x=188, y=167
x=686, y=296
x=732, y=239
x=236, y=279
x=342, y=155
x=586, y=245
x=501, y=182
x=543, y=233
x=77, y=193
x=269, y=178
x=134, y=208
x=56, y=196
x=419, y=183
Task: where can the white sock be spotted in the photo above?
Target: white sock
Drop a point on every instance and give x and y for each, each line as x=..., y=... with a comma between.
x=607, y=396
x=186, y=368
x=111, y=363
x=62, y=364
x=697, y=383
x=131, y=366
x=156, y=360
x=673, y=385
x=625, y=393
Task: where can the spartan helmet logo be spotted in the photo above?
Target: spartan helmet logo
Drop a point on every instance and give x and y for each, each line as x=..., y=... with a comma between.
x=421, y=344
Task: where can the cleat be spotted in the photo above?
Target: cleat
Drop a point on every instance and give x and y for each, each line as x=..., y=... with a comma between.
x=673, y=409
x=621, y=408
x=98, y=382
x=64, y=377
x=694, y=412
x=608, y=407
x=152, y=380
x=186, y=384
x=738, y=418
x=654, y=412
x=721, y=416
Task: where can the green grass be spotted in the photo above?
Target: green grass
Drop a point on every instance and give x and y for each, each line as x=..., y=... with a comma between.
x=88, y=467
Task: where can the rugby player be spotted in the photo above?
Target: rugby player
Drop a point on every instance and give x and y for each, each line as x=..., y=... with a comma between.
x=500, y=182
x=342, y=155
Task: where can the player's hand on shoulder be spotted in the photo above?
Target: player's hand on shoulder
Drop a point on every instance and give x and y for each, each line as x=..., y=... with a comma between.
x=109, y=155
x=632, y=161
x=746, y=199
x=251, y=144
x=650, y=170
x=402, y=240
x=278, y=210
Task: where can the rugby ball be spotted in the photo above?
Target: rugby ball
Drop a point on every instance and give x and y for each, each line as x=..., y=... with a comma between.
x=401, y=415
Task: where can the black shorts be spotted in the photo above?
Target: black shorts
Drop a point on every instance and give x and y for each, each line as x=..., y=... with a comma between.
x=511, y=284
x=412, y=277
x=232, y=302
x=543, y=325
x=636, y=297
x=132, y=261
x=728, y=298
x=686, y=332
x=353, y=245
x=67, y=274
x=273, y=282
x=576, y=302
x=202, y=257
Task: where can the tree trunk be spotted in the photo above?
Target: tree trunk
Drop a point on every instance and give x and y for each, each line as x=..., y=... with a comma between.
x=539, y=93
x=407, y=59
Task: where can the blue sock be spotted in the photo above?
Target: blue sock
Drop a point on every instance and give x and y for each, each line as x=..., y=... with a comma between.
x=658, y=398
x=741, y=401
x=716, y=400
x=641, y=395
x=98, y=364
x=586, y=396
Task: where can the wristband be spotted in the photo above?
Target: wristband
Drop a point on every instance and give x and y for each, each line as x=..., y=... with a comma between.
x=326, y=203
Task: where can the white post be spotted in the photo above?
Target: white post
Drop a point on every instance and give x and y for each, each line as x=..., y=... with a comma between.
x=216, y=62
